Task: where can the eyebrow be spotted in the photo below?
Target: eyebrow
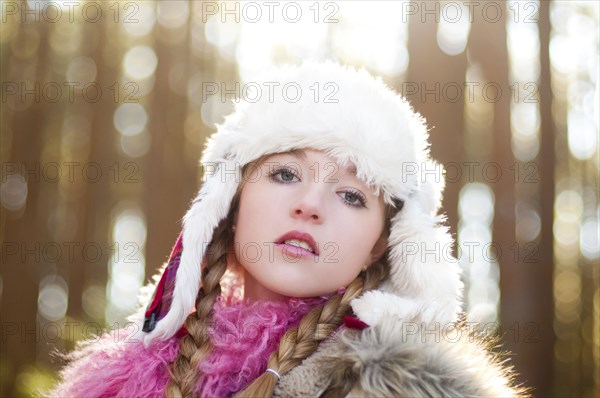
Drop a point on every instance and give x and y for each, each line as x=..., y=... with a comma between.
x=351, y=169
x=298, y=153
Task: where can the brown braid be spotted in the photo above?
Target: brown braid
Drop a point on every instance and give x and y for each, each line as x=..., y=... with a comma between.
x=320, y=323
x=196, y=345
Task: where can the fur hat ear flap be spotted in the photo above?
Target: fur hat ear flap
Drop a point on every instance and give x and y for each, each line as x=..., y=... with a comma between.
x=423, y=268
x=424, y=274
x=177, y=291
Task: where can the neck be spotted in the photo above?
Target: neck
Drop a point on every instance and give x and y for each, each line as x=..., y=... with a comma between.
x=253, y=290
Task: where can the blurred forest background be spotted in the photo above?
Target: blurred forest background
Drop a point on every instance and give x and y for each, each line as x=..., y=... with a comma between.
x=106, y=107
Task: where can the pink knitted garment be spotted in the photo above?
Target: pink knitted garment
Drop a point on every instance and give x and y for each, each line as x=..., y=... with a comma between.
x=244, y=335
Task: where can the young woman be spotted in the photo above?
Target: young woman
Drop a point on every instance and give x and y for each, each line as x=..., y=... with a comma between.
x=311, y=263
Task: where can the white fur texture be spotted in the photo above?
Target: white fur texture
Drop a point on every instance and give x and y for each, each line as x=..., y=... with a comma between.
x=364, y=123
x=403, y=359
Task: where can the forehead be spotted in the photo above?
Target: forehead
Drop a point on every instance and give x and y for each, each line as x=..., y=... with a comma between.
x=313, y=156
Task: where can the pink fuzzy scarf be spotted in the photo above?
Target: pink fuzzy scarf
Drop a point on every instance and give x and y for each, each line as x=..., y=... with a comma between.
x=244, y=335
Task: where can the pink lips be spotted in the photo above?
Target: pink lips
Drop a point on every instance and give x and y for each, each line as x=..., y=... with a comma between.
x=299, y=236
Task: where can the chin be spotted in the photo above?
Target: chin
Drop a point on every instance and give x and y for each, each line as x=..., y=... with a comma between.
x=301, y=293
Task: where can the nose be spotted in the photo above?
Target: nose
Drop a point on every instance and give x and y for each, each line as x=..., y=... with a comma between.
x=309, y=205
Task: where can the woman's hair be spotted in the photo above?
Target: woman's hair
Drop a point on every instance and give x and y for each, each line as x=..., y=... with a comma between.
x=295, y=345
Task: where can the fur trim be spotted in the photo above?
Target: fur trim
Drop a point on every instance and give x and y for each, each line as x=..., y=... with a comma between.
x=115, y=365
x=356, y=119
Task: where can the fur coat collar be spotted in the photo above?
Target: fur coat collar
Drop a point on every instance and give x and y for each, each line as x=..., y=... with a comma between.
x=402, y=359
x=392, y=358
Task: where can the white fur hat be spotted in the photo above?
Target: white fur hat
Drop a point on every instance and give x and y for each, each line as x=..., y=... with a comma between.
x=354, y=118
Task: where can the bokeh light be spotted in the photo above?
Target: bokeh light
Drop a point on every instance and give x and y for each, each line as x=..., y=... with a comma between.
x=13, y=192
x=145, y=17
x=127, y=265
x=53, y=298
x=139, y=62
x=476, y=257
x=130, y=119
x=453, y=28
x=172, y=14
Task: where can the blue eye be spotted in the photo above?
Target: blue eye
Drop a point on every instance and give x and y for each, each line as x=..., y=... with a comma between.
x=354, y=198
x=283, y=175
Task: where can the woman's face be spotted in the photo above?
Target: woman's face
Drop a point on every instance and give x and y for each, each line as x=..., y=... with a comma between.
x=305, y=226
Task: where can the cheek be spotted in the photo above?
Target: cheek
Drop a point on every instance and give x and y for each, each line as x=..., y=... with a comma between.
x=255, y=215
x=358, y=238
x=252, y=205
